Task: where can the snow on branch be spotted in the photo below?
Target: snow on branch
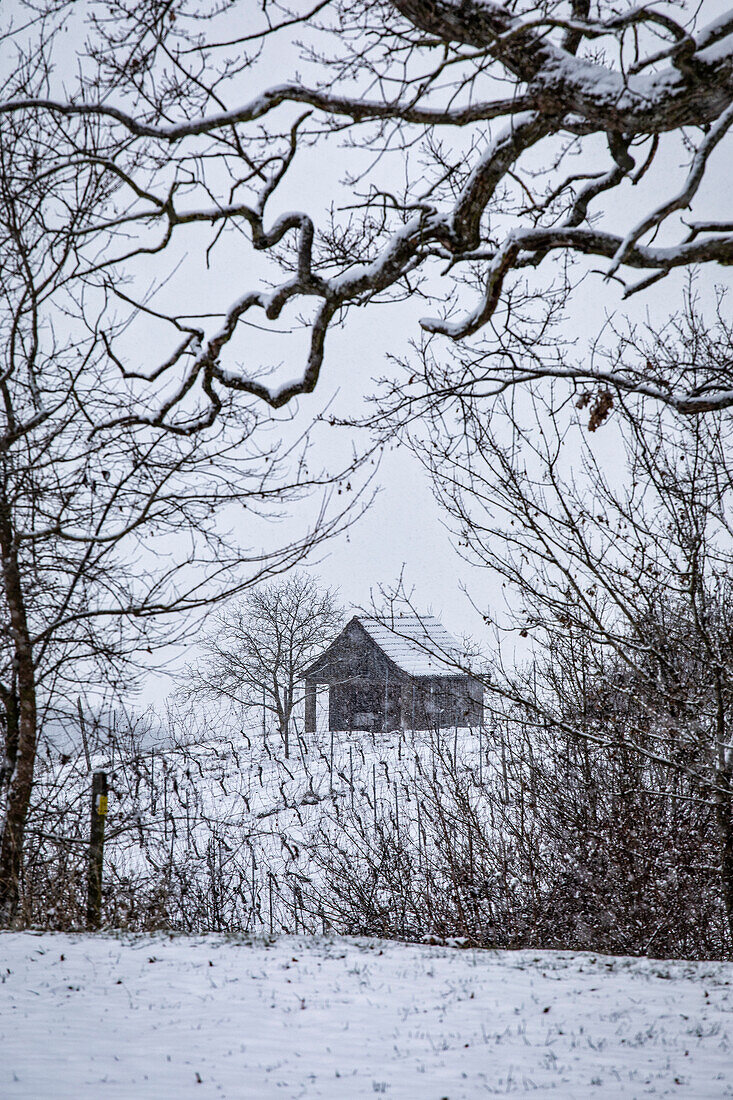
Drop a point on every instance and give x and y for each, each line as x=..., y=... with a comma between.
x=462, y=214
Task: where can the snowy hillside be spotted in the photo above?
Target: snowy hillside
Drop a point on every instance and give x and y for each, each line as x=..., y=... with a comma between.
x=154, y=1018
x=241, y=838
x=423, y=836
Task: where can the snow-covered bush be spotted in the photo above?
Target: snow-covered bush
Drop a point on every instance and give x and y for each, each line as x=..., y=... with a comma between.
x=509, y=836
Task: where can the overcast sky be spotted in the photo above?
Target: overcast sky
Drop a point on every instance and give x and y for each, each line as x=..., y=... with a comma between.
x=403, y=528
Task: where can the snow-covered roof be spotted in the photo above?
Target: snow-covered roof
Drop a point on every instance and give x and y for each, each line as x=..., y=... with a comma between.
x=418, y=644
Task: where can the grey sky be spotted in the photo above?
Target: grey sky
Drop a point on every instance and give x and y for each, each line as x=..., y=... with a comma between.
x=403, y=526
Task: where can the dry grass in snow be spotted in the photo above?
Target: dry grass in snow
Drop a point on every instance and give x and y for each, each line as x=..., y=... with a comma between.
x=153, y=1017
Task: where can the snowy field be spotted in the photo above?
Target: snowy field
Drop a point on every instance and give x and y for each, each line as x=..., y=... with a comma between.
x=151, y=1018
x=242, y=821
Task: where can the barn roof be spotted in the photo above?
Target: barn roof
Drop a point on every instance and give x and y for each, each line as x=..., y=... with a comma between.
x=418, y=644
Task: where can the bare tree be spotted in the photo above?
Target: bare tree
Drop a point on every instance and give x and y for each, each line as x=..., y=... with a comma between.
x=259, y=648
x=110, y=528
x=629, y=563
x=521, y=135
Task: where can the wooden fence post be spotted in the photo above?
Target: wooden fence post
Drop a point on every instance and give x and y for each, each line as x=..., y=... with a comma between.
x=96, y=849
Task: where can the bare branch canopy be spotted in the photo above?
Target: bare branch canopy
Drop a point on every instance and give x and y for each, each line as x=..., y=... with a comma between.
x=515, y=127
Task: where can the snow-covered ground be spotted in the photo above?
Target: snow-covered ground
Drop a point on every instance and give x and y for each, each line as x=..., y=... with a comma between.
x=243, y=820
x=152, y=1017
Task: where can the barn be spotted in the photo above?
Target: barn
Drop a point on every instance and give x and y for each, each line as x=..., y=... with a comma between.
x=396, y=673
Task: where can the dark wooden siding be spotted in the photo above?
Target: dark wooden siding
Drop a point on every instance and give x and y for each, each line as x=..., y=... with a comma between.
x=367, y=691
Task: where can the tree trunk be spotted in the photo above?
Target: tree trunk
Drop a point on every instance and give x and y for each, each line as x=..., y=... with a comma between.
x=286, y=711
x=724, y=814
x=9, y=701
x=20, y=782
x=285, y=733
